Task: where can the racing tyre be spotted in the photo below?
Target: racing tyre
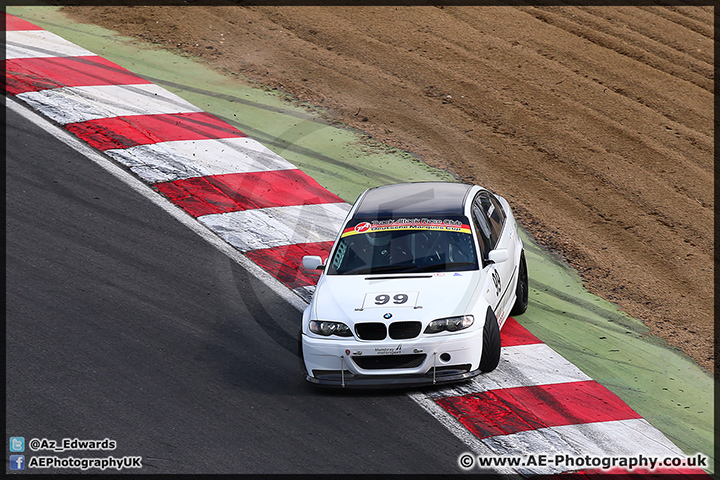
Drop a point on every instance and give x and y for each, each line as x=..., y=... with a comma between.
x=491, y=343
x=300, y=355
x=521, y=291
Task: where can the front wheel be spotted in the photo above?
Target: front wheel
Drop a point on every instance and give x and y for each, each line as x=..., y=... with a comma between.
x=491, y=343
x=521, y=292
x=300, y=355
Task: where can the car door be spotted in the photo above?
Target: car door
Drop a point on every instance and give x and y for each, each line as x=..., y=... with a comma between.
x=486, y=241
x=508, y=269
x=489, y=217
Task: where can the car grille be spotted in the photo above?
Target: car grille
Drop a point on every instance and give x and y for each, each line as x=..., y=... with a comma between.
x=397, y=330
x=403, y=330
x=371, y=331
x=382, y=362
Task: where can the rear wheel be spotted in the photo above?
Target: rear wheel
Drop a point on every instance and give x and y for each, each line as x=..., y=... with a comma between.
x=491, y=343
x=521, y=291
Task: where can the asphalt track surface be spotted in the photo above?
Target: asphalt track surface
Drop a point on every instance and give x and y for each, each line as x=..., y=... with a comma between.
x=124, y=324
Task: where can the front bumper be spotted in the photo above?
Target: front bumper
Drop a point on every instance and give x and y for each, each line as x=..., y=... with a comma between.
x=342, y=362
x=346, y=379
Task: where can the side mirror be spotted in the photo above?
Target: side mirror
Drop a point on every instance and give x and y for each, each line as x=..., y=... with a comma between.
x=312, y=262
x=498, y=256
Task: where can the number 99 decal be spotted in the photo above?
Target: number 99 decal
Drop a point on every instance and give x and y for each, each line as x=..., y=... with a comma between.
x=398, y=299
x=390, y=299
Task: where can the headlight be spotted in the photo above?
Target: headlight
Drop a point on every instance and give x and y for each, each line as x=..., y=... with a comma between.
x=451, y=324
x=326, y=329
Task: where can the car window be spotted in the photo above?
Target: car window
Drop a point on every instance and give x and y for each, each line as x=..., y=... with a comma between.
x=493, y=215
x=496, y=215
x=483, y=227
x=404, y=246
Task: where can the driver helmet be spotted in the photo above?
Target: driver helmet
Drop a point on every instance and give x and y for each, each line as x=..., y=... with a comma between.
x=379, y=239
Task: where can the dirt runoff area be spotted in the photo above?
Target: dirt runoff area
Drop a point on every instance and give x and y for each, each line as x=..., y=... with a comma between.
x=596, y=123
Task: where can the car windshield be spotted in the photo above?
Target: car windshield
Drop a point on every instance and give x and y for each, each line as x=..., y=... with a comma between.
x=404, y=246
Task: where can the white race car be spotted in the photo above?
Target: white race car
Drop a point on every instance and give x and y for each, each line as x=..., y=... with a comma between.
x=418, y=284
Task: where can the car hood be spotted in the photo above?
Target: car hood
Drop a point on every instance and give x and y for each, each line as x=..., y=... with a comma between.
x=370, y=298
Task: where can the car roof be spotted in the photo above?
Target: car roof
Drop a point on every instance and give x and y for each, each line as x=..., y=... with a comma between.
x=421, y=199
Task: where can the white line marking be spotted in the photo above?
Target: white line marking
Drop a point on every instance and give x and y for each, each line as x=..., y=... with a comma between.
x=40, y=44
x=80, y=104
x=177, y=160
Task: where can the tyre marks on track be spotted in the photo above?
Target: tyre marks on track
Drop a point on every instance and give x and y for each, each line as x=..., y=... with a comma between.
x=536, y=401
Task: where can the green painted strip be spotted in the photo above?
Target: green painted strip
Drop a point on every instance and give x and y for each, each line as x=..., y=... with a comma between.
x=669, y=390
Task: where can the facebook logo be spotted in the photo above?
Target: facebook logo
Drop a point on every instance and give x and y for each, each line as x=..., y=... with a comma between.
x=17, y=444
x=17, y=462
